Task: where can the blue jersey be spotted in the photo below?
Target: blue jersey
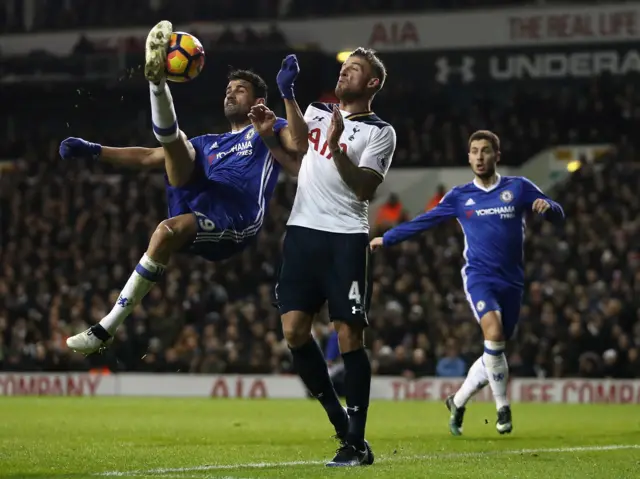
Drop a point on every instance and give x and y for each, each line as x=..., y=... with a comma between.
x=493, y=224
x=233, y=181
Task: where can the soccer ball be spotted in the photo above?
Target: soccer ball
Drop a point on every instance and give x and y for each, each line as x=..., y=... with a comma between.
x=185, y=57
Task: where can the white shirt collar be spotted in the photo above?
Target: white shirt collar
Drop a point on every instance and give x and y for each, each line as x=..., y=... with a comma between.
x=242, y=129
x=490, y=188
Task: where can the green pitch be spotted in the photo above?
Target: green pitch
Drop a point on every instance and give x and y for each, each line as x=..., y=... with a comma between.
x=235, y=439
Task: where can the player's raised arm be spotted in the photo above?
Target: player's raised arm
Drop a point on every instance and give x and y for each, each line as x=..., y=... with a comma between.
x=295, y=136
x=128, y=157
x=266, y=124
x=541, y=203
x=444, y=210
x=363, y=179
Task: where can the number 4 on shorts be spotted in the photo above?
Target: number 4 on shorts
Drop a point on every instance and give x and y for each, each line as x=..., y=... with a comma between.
x=354, y=292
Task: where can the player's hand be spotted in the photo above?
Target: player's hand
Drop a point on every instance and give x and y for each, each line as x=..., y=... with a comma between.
x=541, y=206
x=77, y=148
x=336, y=128
x=287, y=76
x=262, y=119
x=376, y=243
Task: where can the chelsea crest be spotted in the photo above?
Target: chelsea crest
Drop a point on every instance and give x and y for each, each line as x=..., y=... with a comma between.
x=506, y=196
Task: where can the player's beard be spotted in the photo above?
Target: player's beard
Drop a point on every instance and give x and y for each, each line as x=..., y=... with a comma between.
x=347, y=95
x=235, y=113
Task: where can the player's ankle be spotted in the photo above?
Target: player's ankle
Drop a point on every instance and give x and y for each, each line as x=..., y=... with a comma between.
x=501, y=401
x=356, y=441
x=158, y=87
x=101, y=332
x=458, y=401
x=339, y=419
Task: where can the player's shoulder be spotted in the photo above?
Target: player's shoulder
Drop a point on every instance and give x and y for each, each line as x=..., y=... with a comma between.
x=206, y=137
x=456, y=192
x=367, y=117
x=517, y=181
x=465, y=188
x=202, y=141
x=371, y=119
x=321, y=106
x=510, y=179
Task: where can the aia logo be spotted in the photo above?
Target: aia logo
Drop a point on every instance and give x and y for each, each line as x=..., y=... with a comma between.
x=323, y=149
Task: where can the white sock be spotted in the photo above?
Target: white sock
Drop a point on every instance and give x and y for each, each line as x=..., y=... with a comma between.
x=497, y=368
x=476, y=379
x=146, y=274
x=163, y=114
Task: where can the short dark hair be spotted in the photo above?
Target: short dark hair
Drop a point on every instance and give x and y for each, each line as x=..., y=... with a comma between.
x=379, y=70
x=259, y=85
x=490, y=136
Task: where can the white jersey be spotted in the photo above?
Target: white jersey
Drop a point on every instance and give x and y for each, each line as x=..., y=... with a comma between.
x=323, y=201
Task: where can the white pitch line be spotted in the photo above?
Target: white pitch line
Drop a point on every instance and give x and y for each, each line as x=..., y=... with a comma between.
x=449, y=455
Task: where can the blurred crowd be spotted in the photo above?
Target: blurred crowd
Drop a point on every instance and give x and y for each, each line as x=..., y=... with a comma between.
x=432, y=121
x=71, y=232
x=48, y=15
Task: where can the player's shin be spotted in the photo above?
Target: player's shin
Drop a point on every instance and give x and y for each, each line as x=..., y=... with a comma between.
x=476, y=380
x=311, y=366
x=497, y=368
x=146, y=274
x=163, y=114
x=357, y=391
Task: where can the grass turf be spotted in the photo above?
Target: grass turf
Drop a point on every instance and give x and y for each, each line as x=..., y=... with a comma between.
x=204, y=438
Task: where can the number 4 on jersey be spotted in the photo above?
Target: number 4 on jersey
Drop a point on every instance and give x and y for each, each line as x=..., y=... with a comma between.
x=354, y=292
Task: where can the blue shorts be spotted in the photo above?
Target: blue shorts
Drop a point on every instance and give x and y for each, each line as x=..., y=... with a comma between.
x=484, y=297
x=223, y=231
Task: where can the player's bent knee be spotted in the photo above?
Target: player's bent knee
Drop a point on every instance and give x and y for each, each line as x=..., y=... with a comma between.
x=163, y=233
x=296, y=327
x=350, y=336
x=176, y=231
x=491, y=324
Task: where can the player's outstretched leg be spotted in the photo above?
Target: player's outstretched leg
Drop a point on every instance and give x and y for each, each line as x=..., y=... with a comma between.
x=170, y=236
x=456, y=403
x=497, y=368
x=178, y=153
x=311, y=366
x=355, y=450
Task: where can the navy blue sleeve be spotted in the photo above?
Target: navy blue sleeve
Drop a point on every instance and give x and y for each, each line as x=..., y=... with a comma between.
x=332, y=349
x=202, y=146
x=198, y=142
x=444, y=210
x=531, y=193
x=280, y=124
